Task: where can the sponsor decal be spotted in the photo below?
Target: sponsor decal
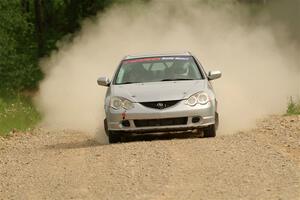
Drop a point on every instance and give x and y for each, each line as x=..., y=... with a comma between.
x=167, y=58
x=155, y=59
x=182, y=58
x=141, y=60
x=175, y=58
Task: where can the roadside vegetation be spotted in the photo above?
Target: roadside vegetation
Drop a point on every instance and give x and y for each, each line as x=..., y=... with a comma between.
x=293, y=107
x=17, y=113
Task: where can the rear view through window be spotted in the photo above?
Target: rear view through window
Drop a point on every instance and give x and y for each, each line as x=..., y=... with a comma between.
x=157, y=69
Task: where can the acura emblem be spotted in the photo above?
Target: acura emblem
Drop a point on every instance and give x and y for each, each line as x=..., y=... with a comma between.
x=160, y=105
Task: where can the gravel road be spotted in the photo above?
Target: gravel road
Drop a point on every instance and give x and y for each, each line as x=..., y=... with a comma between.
x=263, y=163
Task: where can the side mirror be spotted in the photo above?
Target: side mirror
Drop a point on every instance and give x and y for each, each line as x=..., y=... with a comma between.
x=104, y=81
x=212, y=75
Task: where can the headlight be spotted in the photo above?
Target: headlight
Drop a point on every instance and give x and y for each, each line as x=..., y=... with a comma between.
x=120, y=102
x=203, y=98
x=200, y=97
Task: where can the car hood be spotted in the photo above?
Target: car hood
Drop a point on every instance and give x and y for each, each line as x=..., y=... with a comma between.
x=158, y=91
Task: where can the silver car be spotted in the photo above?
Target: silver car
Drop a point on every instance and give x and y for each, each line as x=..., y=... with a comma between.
x=160, y=93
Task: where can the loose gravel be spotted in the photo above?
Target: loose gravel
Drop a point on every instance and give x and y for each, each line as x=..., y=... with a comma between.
x=263, y=163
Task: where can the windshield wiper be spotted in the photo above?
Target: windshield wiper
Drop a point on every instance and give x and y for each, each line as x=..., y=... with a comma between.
x=129, y=82
x=177, y=79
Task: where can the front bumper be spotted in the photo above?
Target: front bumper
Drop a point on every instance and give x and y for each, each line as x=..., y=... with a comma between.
x=205, y=113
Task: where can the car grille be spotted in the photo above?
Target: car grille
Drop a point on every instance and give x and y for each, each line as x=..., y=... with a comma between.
x=160, y=104
x=161, y=122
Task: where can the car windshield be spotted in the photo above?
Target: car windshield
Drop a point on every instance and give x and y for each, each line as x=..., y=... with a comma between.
x=158, y=69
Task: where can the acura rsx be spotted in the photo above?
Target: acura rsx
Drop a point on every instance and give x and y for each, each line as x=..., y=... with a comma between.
x=160, y=93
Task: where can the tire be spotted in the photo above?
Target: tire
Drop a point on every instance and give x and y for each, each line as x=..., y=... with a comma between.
x=217, y=121
x=105, y=126
x=113, y=137
x=210, y=131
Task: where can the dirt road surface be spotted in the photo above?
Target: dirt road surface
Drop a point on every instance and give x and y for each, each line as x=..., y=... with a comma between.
x=263, y=163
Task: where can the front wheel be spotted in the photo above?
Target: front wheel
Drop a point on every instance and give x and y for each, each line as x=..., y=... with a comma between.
x=113, y=137
x=105, y=126
x=210, y=131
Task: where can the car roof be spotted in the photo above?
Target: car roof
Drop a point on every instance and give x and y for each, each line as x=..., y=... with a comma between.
x=156, y=55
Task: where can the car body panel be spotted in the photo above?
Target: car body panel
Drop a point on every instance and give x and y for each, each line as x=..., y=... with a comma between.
x=158, y=91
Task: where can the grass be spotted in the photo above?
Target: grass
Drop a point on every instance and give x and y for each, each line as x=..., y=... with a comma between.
x=17, y=113
x=293, y=107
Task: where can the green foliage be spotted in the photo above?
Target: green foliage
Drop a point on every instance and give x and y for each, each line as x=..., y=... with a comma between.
x=293, y=107
x=29, y=30
x=18, y=61
x=17, y=113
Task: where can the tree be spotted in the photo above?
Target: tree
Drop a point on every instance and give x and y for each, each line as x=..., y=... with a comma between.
x=18, y=68
x=29, y=30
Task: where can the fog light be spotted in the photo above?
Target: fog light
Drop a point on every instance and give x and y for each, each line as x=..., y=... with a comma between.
x=195, y=119
x=126, y=123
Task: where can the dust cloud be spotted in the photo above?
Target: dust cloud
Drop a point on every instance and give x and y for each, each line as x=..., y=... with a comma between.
x=259, y=74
